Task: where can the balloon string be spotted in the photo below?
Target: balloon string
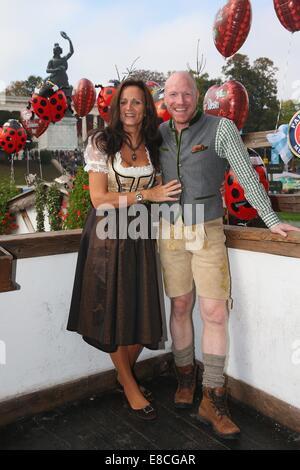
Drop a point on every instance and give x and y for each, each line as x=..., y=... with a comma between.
x=40, y=162
x=283, y=88
x=27, y=158
x=12, y=173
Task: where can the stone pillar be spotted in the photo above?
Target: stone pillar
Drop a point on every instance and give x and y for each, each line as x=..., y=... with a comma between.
x=60, y=136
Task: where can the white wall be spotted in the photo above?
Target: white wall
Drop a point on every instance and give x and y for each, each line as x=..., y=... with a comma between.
x=264, y=326
x=265, y=323
x=40, y=352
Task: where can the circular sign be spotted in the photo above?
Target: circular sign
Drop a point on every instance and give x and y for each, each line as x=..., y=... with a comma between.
x=294, y=134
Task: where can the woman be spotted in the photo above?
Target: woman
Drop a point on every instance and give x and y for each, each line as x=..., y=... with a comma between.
x=116, y=304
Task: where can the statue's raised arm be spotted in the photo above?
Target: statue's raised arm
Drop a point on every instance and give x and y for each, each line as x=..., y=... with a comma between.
x=71, y=52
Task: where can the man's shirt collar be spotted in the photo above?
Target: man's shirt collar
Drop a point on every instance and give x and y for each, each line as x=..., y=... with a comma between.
x=194, y=119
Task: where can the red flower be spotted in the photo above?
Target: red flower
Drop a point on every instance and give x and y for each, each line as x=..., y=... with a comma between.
x=85, y=187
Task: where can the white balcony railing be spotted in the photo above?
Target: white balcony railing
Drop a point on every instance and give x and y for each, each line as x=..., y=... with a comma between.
x=36, y=351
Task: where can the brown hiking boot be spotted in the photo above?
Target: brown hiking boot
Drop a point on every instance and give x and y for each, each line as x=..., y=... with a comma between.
x=213, y=410
x=187, y=380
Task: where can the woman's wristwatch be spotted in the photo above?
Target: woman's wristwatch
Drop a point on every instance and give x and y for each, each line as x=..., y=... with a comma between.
x=139, y=197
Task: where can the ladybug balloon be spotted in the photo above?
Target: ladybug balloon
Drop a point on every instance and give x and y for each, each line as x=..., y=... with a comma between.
x=49, y=103
x=33, y=125
x=105, y=96
x=229, y=100
x=153, y=86
x=84, y=97
x=232, y=25
x=288, y=12
x=12, y=137
x=161, y=108
x=162, y=111
x=235, y=200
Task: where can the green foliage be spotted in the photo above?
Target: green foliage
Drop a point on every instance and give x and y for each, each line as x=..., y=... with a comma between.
x=79, y=202
x=7, y=220
x=261, y=85
x=40, y=201
x=24, y=87
x=288, y=109
x=203, y=84
x=53, y=204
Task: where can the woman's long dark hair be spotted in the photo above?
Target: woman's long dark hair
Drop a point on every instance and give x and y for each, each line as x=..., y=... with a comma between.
x=110, y=139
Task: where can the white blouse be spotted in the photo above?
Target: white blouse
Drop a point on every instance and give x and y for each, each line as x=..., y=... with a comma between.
x=97, y=161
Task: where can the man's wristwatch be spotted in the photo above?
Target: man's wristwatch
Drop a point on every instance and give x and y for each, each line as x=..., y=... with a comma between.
x=139, y=197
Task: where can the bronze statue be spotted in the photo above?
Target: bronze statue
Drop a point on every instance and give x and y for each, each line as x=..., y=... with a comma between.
x=58, y=66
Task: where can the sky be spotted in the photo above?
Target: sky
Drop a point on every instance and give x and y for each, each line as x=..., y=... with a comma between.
x=163, y=34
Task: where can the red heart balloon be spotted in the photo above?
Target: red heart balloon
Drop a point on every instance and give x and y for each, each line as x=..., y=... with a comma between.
x=232, y=25
x=84, y=97
x=33, y=125
x=288, y=12
x=229, y=100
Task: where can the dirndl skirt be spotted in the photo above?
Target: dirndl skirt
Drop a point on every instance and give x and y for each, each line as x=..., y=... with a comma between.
x=117, y=297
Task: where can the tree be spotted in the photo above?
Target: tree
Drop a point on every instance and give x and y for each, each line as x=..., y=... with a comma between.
x=202, y=79
x=146, y=75
x=203, y=84
x=25, y=87
x=288, y=109
x=261, y=85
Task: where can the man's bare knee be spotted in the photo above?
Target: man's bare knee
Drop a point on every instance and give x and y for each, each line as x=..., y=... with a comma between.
x=214, y=312
x=182, y=305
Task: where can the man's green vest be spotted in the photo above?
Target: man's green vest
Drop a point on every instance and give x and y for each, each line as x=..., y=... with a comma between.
x=190, y=157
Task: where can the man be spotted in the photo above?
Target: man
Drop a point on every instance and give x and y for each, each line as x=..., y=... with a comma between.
x=195, y=149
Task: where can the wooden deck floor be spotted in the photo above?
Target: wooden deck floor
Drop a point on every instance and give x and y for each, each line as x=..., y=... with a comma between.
x=103, y=422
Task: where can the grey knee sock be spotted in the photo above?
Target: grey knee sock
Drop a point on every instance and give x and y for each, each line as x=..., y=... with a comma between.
x=213, y=370
x=183, y=357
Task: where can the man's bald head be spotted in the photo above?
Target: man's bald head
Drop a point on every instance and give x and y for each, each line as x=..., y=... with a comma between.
x=181, y=98
x=182, y=75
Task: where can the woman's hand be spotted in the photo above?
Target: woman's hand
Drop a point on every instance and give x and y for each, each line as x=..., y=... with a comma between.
x=222, y=189
x=163, y=192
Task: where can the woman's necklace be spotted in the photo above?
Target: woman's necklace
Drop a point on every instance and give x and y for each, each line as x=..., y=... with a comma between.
x=134, y=149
